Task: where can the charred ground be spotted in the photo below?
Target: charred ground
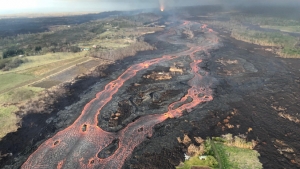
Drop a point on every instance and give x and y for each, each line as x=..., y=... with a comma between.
x=253, y=88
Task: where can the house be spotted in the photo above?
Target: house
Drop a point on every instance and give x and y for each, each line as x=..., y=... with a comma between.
x=186, y=157
x=202, y=157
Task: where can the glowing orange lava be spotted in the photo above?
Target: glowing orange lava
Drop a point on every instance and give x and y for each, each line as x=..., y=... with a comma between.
x=162, y=5
x=78, y=145
x=186, y=22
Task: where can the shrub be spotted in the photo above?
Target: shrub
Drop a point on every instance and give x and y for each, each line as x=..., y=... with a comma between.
x=3, y=62
x=74, y=49
x=12, y=52
x=38, y=48
x=14, y=63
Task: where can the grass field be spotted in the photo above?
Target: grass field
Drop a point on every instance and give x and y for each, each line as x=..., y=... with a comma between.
x=237, y=158
x=14, y=87
x=19, y=95
x=53, y=60
x=11, y=80
x=195, y=161
x=8, y=120
x=295, y=29
x=276, y=39
x=287, y=46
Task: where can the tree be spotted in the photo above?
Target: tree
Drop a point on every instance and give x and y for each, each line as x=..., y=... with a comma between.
x=38, y=48
x=12, y=52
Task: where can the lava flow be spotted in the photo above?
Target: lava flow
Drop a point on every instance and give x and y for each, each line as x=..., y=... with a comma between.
x=78, y=145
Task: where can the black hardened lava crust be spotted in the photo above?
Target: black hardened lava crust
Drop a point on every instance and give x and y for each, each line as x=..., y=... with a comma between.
x=248, y=97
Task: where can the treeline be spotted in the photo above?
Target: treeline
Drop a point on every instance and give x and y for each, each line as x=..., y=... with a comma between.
x=284, y=44
x=76, y=38
x=12, y=52
x=260, y=20
x=64, y=40
x=10, y=63
x=15, y=52
x=121, y=53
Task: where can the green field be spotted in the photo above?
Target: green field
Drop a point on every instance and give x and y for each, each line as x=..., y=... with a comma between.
x=238, y=158
x=275, y=39
x=11, y=80
x=225, y=152
x=8, y=120
x=40, y=61
x=286, y=45
x=19, y=95
x=295, y=29
x=195, y=161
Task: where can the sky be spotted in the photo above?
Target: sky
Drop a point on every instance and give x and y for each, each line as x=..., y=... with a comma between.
x=52, y=6
x=55, y=6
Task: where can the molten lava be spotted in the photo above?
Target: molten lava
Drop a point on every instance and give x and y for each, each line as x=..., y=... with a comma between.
x=162, y=5
x=78, y=145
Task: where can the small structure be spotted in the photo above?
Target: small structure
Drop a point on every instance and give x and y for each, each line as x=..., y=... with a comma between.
x=202, y=157
x=186, y=157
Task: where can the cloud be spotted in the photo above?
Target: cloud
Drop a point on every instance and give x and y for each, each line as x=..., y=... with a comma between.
x=18, y=6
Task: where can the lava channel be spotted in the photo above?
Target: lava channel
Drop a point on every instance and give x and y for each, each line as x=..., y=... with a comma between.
x=78, y=145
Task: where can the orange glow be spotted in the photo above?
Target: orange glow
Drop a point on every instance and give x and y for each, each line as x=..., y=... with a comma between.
x=162, y=5
x=186, y=22
x=78, y=145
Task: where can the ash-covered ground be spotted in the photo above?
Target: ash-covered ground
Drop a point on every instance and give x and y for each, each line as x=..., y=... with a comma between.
x=256, y=94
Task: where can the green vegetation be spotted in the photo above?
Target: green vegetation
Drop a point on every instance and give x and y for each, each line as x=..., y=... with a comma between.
x=286, y=43
x=3, y=62
x=12, y=52
x=40, y=61
x=265, y=38
x=236, y=141
x=75, y=38
x=205, y=151
x=235, y=152
x=237, y=158
x=210, y=161
x=295, y=29
x=8, y=120
x=11, y=80
x=265, y=20
x=19, y=95
x=226, y=152
x=282, y=43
